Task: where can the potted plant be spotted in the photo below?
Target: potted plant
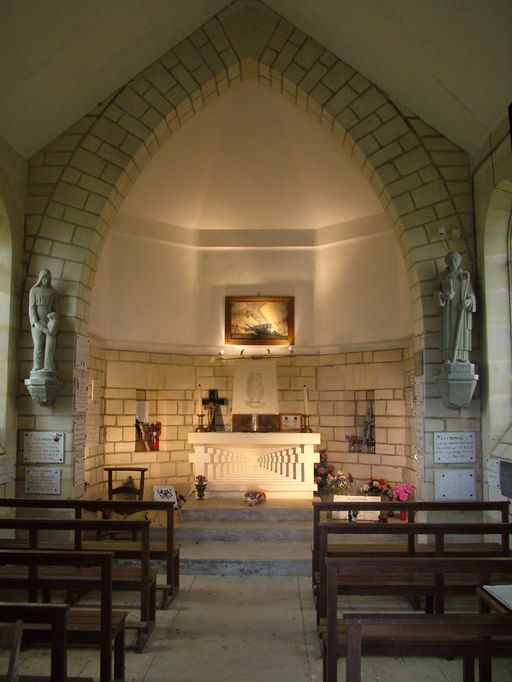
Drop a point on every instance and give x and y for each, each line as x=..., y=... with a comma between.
x=253, y=497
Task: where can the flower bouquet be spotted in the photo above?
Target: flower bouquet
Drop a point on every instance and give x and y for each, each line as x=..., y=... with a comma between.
x=377, y=487
x=152, y=433
x=338, y=483
x=322, y=469
x=401, y=491
x=253, y=497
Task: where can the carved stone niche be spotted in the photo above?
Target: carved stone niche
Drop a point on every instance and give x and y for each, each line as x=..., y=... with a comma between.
x=457, y=382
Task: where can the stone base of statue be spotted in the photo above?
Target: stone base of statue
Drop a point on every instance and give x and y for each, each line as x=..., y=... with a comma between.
x=43, y=386
x=457, y=382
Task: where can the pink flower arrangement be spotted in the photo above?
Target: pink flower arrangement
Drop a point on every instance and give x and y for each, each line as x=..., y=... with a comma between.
x=201, y=480
x=402, y=491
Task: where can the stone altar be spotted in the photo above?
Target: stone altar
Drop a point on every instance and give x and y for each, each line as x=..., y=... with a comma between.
x=279, y=463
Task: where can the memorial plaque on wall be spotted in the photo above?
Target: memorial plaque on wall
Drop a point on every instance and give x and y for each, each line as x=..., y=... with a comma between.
x=80, y=395
x=455, y=484
x=43, y=446
x=81, y=352
x=79, y=471
x=6, y=468
x=42, y=481
x=79, y=434
x=454, y=447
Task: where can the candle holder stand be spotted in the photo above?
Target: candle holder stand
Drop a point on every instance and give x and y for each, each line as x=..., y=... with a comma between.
x=306, y=428
x=200, y=428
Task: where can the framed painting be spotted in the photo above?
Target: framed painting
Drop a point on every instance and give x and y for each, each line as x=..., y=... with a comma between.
x=259, y=320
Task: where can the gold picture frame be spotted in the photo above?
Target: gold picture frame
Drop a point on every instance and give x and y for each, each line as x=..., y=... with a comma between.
x=259, y=320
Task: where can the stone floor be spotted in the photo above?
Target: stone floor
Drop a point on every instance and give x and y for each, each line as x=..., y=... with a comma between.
x=248, y=628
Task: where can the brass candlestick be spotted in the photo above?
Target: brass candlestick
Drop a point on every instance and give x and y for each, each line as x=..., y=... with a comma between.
x=200, y=428
x=306, y=428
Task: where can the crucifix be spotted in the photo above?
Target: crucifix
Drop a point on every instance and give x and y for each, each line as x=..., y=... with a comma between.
x=214, y=415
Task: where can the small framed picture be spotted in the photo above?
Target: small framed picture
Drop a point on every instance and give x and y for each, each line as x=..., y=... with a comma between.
x=290, y=422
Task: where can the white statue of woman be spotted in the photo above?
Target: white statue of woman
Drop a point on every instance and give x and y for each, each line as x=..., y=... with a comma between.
x=457, y=302
x=44, y=321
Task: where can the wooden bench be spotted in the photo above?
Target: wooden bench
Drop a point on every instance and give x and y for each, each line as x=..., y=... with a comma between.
x=434, y=574
x=55, y=617
x=141, y=579
x=416, y=546
x=454, y=635
x=165, y=550
x=322, y=511
x=47, y=571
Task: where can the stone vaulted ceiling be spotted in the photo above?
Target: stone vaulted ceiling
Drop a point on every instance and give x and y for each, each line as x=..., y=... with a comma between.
x=449, y=61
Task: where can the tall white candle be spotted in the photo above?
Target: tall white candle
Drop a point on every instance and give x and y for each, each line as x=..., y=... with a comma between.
x=200, y=400
x=306, y=402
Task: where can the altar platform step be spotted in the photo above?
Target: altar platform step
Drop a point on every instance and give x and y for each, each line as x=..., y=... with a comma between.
x=227, y=537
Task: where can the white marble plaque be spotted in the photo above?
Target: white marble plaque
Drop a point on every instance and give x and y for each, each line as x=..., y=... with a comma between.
x=493, y=472
x=81, y=352
x=454, y=447
x=79, y=434
x=255, y=387
x=455, y=484
x=80, y=395
x=42, y=481
x=79, y=471
x=43, y=446
x=6, y=468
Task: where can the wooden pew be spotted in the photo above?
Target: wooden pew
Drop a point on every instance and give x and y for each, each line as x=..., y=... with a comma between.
x=141, y=580
x=434, y=573
x=53, y=615
x=166, y=551
x=454, y=635
x=416, y=546
x=57, y=570
x=322, y=511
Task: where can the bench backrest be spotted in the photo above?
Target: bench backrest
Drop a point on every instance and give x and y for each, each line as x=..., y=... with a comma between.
x=34, y=559
x=499, y=508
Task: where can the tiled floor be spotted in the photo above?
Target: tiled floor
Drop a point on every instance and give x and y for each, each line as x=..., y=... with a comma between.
x=249, y=628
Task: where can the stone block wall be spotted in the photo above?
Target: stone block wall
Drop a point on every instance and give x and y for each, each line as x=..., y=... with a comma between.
x=337, y=409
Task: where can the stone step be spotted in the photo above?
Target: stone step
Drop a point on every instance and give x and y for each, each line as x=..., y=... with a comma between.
x=245, y=558
x=288, y=531
x=220, y=536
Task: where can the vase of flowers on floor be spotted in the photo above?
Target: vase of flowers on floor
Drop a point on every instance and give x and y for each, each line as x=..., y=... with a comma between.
x=200, y=484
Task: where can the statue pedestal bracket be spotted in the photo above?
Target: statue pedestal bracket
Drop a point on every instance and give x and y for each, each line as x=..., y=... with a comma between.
x=43, y=386
x=457, y=382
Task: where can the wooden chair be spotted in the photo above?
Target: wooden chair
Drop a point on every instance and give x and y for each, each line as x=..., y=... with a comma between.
x=128, y=489
x=10, y=640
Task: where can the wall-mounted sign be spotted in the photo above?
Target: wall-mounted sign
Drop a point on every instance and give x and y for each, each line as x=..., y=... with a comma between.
x=81, y=352
x=79, y=434
x=42, y=481
x=80, y=395
x=43, y=446
x=79, y=471
x=454, y=447
x=455, y=484
x=6, y=468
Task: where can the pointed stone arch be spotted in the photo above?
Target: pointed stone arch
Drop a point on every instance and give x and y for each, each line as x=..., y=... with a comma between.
x=78, y=182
